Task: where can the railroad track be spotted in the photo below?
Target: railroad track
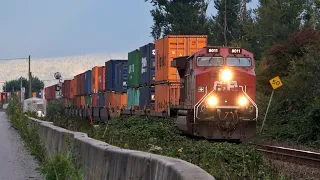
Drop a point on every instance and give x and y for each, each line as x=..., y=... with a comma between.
x=291, y=155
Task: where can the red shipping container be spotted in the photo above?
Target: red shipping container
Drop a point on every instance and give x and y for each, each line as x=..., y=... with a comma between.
x=102, y=79
x=95, y=100
x=65, y=102
x=66, y=89
x=82, y=83
x=78, y=85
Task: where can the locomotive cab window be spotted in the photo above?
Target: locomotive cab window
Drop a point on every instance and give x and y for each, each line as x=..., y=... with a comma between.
x=209, y=61
x=238, y=61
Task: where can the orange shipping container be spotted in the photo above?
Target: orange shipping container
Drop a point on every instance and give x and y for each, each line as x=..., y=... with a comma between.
x=120, y=100
x=172, y=46
x=95, y=79
x=166, y=95
x=109, y=99
x=83, y=101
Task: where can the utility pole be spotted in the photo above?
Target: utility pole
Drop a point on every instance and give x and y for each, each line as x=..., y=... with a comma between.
x=29, y=79
x=225, y=23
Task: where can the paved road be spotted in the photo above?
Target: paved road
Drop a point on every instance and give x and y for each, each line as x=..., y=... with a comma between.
x=15, y=162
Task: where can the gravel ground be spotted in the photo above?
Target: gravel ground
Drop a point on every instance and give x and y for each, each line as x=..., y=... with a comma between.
x=15, y=161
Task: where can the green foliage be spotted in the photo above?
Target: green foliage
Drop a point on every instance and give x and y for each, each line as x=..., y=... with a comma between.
x=295, y=110
x=55, y=110
x=36, y=85
x=222, y=160
x=178, y=17
x=58, y=166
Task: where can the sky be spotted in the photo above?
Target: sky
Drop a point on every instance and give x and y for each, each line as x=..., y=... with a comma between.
x=60, y=28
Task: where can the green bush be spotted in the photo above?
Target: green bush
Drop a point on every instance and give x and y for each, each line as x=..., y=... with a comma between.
x=294, y=112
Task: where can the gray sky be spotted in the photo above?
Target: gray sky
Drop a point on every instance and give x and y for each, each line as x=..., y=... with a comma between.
x=74, y=27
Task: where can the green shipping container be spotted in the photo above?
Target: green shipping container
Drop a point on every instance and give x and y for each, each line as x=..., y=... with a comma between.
x=132, y=97
x=88, y=100
x=69, y=103
x=134, y=68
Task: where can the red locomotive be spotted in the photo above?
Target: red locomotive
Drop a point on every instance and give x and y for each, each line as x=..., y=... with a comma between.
x=218, y=93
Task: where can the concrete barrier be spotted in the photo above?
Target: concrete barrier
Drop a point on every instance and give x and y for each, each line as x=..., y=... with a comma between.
x=103, y=161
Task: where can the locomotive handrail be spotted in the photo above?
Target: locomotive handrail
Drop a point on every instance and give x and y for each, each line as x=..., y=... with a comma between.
x=254, y=104
x=201, y=101
x=195, y=114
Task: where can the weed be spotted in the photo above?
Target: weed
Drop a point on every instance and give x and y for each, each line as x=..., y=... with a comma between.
x=58, y=166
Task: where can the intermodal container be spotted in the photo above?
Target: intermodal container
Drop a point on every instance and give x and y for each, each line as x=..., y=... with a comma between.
x=121, y=77
x=94, y=100
x=147, y=72
x=72, y=88
x=77, y=101
x=87, y=82
x=83, y=101
x=82, y=86
x=166, y=95
x=109, y=99
x=78, y=84
x=65, y=102
x=88, y=100
x=38, y=94
x=110, y=73
x=66, y=89
x=101, y=99
x=95, y=79
x=172, y=46
x=134, y=68
x=120, y=100
x=147, y=97
x=132, y=97
x=102, y=79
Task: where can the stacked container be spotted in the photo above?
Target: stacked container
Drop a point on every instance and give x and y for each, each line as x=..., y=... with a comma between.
x=134, y=68
x=116, y=71
x=167, y=78
x=101, y=85
x=110, y=73
x=147, y=77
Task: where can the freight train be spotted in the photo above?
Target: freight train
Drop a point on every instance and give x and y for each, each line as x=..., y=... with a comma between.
x=210, y=90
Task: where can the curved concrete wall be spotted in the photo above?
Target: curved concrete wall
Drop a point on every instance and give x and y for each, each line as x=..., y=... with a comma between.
x=103, y=161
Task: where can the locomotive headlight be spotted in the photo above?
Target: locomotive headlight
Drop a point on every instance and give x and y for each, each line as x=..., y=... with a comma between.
x=242, y=101
x=226, y=75
x=212, y=101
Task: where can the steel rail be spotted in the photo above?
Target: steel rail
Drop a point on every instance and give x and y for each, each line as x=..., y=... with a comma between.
x=291, y=155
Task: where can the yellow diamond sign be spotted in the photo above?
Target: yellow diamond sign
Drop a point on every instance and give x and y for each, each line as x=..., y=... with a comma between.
x=276, y=82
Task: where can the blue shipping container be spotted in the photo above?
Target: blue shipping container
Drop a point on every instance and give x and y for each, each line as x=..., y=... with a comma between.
x=147, y=97
x=87, y=82
x=147, y=72
x=132, y=97
x=121, y=77
x=110, y=73
x=101, y=99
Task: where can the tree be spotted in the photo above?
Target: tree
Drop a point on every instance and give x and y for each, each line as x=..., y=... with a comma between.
x=275, y=20
x=227, y=21
x=14, y=85
x=179, y=17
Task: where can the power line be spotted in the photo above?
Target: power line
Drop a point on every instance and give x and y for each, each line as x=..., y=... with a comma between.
x=10, y=59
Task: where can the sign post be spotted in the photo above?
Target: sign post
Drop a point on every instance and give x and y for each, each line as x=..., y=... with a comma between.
x=275, y=83
x=23, y=90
